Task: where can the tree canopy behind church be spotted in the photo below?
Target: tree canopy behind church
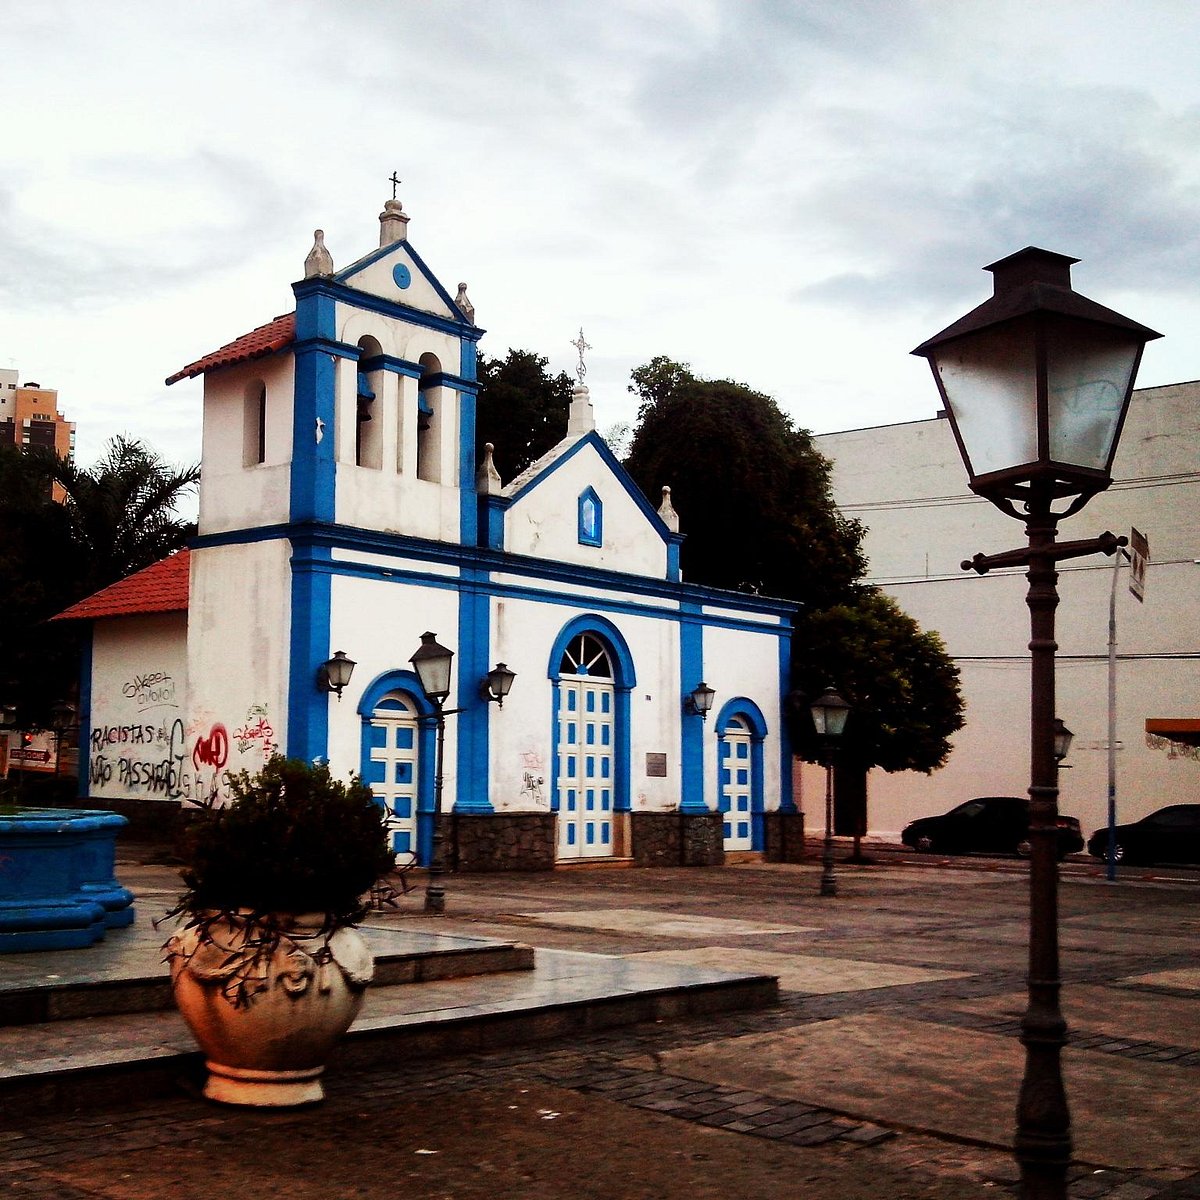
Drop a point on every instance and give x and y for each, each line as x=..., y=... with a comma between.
x=751, y=490
x=754, y=500
x=522, y=409
x=117, y=517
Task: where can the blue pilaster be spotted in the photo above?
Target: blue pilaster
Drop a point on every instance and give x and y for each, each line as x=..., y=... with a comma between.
x=308, y=708
x=691, y=671
x=474, y=646
x=313, y=410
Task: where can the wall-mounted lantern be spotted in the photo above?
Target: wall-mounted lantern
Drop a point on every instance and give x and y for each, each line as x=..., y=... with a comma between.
x=334, y=674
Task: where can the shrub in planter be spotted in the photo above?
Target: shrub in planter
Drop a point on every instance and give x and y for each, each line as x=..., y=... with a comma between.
x=267, y=968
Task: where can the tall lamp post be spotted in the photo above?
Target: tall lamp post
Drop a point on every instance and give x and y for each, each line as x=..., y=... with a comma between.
x=432, y=663
x=1036, y=383
x=829, y=713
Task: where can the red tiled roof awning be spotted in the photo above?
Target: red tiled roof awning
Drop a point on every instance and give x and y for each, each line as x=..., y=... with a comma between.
x=258, y=343
x=159, y=588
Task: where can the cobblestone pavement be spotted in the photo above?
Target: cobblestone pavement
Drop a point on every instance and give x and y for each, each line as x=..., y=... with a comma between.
x=665, y=1110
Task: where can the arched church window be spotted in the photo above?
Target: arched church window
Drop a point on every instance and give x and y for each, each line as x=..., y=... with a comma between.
x=429, y=419
x=368, y=431
x=591, y=519
x=254, y=425
x=586, y=654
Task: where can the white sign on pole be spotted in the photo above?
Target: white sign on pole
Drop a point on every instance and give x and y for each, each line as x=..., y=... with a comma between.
x=1139, y=556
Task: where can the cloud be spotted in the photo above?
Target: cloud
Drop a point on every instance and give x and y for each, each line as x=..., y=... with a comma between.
x=1084, y=171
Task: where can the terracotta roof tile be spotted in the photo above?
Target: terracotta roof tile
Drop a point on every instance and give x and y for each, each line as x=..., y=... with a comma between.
x=158, y=588
x=258, y=343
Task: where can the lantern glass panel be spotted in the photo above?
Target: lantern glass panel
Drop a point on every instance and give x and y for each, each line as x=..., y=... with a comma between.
x=989, y=383
x=1089, y=368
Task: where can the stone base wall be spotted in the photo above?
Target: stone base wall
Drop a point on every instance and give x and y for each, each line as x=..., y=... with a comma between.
x=783, y=837
x=672, y=839
x=502, y=841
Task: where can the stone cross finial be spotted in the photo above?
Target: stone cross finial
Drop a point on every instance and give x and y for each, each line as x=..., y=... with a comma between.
x=395, y=182
x=581, y=346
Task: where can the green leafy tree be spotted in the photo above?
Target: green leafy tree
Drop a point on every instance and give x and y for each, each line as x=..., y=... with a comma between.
x=751, y=490
x=122, y=509
x=522, y=409
x=117, y=517
x=753, y=495
x=902, y=687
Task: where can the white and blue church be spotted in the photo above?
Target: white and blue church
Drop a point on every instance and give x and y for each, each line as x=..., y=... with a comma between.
x=343, y=516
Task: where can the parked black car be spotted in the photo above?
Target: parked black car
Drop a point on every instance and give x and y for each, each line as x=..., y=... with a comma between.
x=1171, y=834
x=999, y=824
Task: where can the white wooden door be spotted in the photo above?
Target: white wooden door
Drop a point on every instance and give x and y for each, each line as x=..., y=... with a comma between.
x=585, y=755
x=393, y=771
x=737, y=786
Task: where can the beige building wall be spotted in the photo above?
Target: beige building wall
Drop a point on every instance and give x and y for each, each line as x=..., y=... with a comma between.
x=907, y=484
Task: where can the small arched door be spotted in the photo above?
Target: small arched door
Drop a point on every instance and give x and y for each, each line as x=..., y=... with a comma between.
x=585, y=749
x=393, y=768
x=740, y=732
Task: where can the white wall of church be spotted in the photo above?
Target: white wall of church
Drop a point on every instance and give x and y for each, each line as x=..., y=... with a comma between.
x=237, y=493
x=544, y=522
x=379, y=625
x=739, y=663
x=239, y=625
x=138, y=741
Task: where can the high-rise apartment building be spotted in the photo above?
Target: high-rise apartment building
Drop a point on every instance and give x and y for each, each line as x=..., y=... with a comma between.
x=29, y=416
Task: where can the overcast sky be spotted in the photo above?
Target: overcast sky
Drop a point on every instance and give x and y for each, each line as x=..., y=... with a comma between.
x=792, y=195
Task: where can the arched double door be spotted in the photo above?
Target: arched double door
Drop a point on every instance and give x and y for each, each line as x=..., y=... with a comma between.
x=592, y=676
x=740, y=730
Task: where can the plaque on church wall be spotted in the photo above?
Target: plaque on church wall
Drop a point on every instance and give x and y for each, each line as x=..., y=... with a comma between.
x=656, y=766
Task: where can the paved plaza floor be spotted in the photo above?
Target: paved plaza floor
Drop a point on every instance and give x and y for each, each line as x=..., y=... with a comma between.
x=889, y=1069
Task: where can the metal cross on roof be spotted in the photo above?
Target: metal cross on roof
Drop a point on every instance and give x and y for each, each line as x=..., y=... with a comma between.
x=395, y=182
x=581, y=346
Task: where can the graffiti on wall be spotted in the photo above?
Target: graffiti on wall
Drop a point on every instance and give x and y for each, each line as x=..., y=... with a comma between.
x=150, y=689
x=169, y=760
x=532, y=778
x=1173, y=748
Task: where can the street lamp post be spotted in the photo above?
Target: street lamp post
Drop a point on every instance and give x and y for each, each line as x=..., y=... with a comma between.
x=829, y=713
x=1036, y=383
x=432, y=664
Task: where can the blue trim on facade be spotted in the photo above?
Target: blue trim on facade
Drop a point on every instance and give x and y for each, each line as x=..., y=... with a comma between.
x=86, y=652
x=334, y=290
x=351, y=539
x=590, y=518
x=624, y=681
x=745, y=708
x=446, y=380
x=407, y=682
x=308, y=708
x=673, y=544
x=326, y=345
x=490, y=531
x=313, y=470
x=691, y=748
x=468, y=501
x=787, y=799
x=474, y=647
x=386, y=362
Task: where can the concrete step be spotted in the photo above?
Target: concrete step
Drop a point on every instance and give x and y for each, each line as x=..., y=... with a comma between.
x=127, y=974
x=93, y=1060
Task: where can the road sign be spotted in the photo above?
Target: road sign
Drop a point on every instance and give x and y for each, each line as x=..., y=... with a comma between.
x=1139, y=556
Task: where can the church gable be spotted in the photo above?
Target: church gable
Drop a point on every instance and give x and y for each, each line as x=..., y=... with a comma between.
x=578, y=505
x=397, y=274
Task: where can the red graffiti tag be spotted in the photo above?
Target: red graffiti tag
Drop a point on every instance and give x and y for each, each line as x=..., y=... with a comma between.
x=212, y=751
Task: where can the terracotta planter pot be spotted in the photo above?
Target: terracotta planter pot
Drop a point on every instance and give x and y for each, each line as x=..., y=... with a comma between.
x=267, y=1001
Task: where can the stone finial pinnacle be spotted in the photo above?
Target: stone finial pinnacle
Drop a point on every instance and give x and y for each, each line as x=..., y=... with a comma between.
x=464, y=304
x=393, y=223
x=487, y=478
x=580, y=418
x=666, y=510
x=319, y=260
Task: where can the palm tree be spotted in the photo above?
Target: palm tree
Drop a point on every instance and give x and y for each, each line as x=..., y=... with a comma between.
x=122, y=510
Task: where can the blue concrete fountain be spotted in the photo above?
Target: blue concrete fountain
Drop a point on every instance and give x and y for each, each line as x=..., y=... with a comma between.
x=58, y=888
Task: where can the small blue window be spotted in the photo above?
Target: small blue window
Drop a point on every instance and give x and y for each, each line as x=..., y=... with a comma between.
x=591, y=519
